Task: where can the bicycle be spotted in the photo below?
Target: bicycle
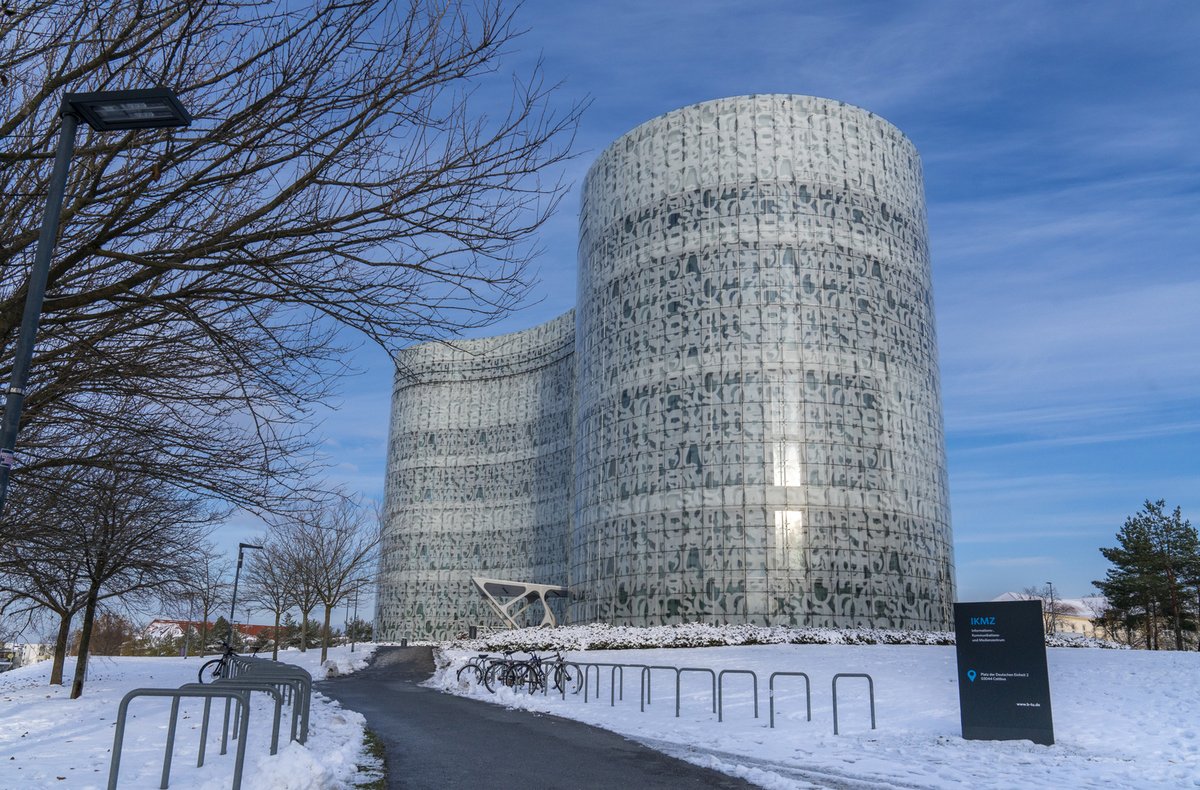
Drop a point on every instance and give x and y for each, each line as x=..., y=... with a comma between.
x=506, y=671
x=476, y=666
x=214, y=669
x=565, y=674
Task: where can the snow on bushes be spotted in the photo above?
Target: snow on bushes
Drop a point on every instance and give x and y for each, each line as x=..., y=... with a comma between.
x=599, y=636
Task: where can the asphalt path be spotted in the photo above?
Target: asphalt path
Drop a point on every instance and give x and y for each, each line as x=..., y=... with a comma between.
x=435, y=740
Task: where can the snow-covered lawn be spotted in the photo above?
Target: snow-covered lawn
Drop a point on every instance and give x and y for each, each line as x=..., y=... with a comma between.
x=1122, y=719
x=50, y=740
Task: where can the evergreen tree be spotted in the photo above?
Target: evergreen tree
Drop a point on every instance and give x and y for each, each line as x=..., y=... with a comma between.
x=359, y=630
x=1154, y=576
x=220, y=630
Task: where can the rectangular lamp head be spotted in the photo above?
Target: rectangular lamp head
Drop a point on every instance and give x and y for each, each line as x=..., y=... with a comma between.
x=145, y=108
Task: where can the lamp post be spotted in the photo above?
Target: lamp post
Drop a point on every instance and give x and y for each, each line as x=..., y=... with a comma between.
x=236, y=574
x=354, y=621
x=148, y=108
x=187, y=628
x=1051, y=614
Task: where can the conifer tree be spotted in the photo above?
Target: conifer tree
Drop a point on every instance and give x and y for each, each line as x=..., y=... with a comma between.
x=1154, y=576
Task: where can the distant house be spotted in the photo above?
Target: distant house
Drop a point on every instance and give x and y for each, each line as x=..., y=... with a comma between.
x=21, y=654
x=1071, y=615
x=173, y=629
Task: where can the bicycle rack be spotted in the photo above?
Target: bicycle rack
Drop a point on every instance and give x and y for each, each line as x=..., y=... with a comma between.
x=870, y=688
x=240, y=696
x=646, y=675
x=647, y=671
x=614, y=671
x=587, y=669
x=807, y=692
x=679, y=674
x=641, y=668
x=721, y=690
x=296, y=680
x=250, y=685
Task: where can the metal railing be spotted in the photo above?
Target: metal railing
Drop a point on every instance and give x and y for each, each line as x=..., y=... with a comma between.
x=241, y=696
x=242, y=676
x=679, y=675
x=721, y=690
x=807, y=692
x=615, y=670
x=870, y=688
x=646, y=674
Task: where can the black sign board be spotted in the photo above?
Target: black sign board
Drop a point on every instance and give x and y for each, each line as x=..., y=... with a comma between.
x=1003, y=687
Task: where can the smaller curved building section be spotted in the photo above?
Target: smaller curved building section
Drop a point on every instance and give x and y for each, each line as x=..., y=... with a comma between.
x=479, y=462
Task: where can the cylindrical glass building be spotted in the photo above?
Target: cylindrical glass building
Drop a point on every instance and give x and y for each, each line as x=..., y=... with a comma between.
x=758, y=434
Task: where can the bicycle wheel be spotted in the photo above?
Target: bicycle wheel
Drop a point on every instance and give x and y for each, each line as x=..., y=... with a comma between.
x=211, y=670
x=472, y=672
x=497, y=675
x=535, y=677
x=567, y=678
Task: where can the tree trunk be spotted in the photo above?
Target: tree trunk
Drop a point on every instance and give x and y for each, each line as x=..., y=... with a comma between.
x=60, y=648
x=275, y=640
x=1152, y=626
x=1176, y=611
x=304, y=631
x=85, y=638
x=325, y=636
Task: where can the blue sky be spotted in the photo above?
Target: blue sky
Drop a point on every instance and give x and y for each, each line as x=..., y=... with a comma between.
x=1062, y=166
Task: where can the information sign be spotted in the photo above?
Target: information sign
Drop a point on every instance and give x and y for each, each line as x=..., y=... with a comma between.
x=1003, y=686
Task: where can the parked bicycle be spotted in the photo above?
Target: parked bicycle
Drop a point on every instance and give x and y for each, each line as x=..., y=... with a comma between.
x=474, y=669
x=565, y=676
x=507, y=671
x=216, y=668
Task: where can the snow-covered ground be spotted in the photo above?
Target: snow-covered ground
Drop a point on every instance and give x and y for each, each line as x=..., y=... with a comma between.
x=1122, y=719
x=50, y=740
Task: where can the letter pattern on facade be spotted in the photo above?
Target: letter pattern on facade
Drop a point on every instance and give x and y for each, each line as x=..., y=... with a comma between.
x=749, y=427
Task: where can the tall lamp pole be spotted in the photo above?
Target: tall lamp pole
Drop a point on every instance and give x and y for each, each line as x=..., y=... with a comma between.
x=233, y=602
x=1051, y=615
x=354, y=621
x=149, y=108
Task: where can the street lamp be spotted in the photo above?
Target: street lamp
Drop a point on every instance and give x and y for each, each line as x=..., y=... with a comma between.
x=354, y=635
x=148, y=108
x=233, y=603
x=1051, y=613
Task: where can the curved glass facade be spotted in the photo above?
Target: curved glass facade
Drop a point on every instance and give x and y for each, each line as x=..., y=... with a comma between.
x=478, y=480
x=749, y=428
x=759, y=432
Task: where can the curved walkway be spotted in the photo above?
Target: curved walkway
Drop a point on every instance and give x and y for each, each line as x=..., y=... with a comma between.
x=435, y=740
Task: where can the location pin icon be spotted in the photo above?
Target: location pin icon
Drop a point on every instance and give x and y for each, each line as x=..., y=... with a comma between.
x=971, y=675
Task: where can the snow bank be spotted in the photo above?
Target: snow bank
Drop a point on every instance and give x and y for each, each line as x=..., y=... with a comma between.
x=1122, y=718
x=599, y=636
x=50, y=740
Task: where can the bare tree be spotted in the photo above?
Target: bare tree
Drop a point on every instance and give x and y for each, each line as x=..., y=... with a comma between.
x=137, y=538
x=348, y=167
x=110, y=634
x=38, y=578
x=339, y=542
x=1053, y=608
x=300, y=583
x=39, y=572
x=110, y=536
x=269, y=582
x=209, y=583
